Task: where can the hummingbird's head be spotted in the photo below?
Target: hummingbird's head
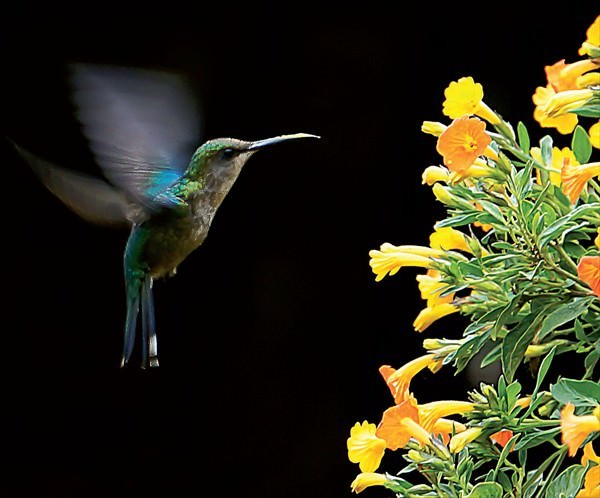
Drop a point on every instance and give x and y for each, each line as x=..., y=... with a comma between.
x=219, y=161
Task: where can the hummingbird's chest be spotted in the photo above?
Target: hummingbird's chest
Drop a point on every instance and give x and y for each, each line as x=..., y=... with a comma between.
x=171, y=239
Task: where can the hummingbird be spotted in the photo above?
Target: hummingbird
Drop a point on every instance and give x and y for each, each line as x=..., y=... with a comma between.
x=143, y=128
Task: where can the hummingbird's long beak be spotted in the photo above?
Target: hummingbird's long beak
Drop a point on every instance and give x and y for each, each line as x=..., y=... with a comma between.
x=281, y=138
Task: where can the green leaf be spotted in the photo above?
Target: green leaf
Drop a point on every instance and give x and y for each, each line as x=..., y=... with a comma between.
x=541, y=196
x=504, y=454
x=564, y=313
x=533, y=483
x=505, y=246
x=546, y=149
x=552, y=231
x=396, y=484
x=507, y=314
x=470, y=348
x=523, y=182
x=543, y=370
x=493, y=210
x=492, y=357
x=536, y=224
x=580, y=145
x=512, y=392
x=589, y=111
x=567, y=483
x=515, y=344
x=486, y=490
x=591, y=360
x=464, y=219
x=536, y=438
x=503, y=479
x=578, y=392
x=524, y=142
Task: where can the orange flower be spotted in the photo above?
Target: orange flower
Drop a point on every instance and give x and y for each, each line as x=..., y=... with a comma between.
x=399, y=380
x=589, y=454
x=591, y=484
x=563, y=76
x=575, y=177
x=502, y=437
x=588, y=270
x=576, y=428
x=462, y=142
x=392, y=427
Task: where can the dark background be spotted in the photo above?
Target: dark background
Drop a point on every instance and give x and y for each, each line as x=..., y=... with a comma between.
x=272, y=332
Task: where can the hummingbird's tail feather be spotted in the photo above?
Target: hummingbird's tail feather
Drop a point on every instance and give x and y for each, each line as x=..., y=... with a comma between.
x=133, y=309
x=139, y=295
x=149, y=345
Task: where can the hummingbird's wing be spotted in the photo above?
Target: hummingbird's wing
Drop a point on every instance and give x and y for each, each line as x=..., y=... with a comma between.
x=142, y=126
x=92, y=198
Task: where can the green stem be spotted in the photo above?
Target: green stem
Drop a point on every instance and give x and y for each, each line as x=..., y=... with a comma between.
x=561, y=453
x=505, y=144
x=594, y=185
x=566, y=257
x=540, y=470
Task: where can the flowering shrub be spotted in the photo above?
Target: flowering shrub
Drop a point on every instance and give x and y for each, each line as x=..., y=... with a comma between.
x=518, y=255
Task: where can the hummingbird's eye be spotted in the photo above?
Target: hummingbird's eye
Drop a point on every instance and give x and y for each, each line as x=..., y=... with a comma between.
x=228, y=153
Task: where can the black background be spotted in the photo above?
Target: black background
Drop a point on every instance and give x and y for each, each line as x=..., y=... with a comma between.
x=271, y=334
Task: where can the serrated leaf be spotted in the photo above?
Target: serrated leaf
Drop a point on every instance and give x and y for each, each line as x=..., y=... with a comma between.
x=567, y=483
x=578, y=392
x=564, y=313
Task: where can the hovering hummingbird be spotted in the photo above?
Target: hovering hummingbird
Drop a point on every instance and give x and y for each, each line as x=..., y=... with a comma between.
x=143, y=128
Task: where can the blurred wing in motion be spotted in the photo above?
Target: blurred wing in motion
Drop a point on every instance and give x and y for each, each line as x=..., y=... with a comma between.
x=142, y=127
x=92, y=198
